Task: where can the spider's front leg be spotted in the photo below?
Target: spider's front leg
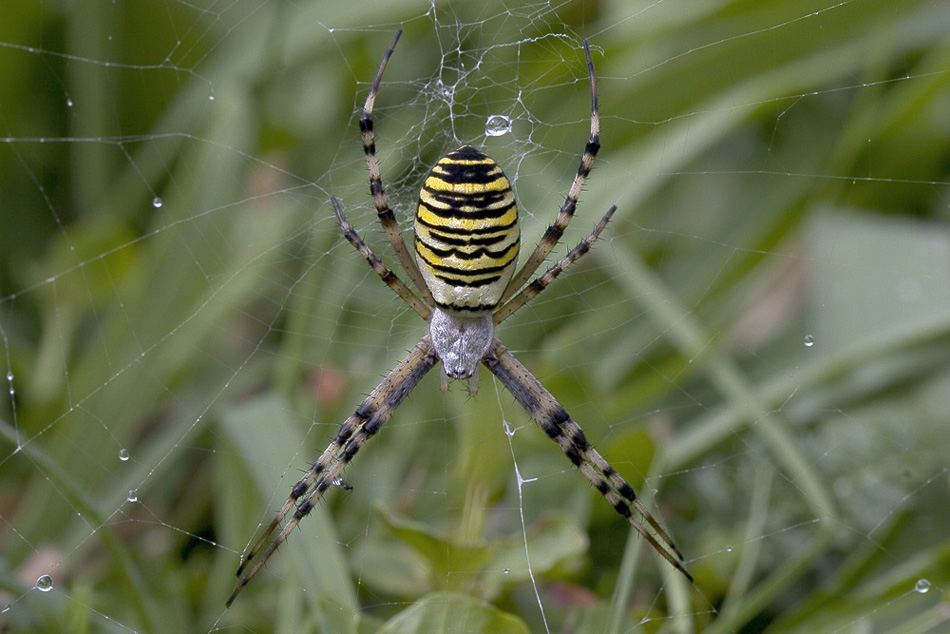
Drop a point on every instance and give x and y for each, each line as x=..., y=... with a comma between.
x=385, y=214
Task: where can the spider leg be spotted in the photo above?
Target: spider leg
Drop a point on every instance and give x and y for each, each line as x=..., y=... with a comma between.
x=390, y=278
x=386, y=216
x=540, y=283
x=558, y=425
x=556, y=230
x=368, y=418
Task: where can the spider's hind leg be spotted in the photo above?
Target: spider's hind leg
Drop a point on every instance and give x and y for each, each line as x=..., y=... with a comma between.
x=359, y=427
x=554, y=420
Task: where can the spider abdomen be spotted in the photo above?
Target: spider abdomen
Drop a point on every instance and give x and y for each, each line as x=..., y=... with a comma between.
x=467, y=235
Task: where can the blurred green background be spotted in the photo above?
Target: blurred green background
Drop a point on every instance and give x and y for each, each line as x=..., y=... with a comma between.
x=760, y=342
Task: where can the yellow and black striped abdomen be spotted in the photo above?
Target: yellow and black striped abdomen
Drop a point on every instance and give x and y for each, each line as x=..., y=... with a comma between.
x=467, y=235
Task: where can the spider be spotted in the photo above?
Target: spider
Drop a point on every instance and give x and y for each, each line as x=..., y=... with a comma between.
x=466, y=243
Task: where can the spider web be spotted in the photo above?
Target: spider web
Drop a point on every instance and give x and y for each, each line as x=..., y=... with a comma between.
x=758, y=342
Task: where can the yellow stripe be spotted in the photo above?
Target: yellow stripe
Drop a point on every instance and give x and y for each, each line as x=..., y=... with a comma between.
x=436, y=183
x=468, y=224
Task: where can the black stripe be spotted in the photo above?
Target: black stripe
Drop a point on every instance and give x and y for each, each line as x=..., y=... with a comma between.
x=576, y=434
x=624, y=510
x=453, y=210
x=481, y=308
x=560, y=416
x=449, y=238
x=474, y=255
x=457, y=173
x=483, y=199
x=467, y=153
x=464, y=232
x=590, y=150
x=469, y=283
x=552, y=234
x=627, y=491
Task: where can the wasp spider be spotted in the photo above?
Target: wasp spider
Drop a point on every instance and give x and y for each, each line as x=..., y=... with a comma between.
x=466, y=243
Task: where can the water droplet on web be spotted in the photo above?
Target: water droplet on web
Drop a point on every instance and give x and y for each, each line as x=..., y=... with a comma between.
x=922, y=586
x=728, y=549
x=498, y=125
x=343, y=484
x=506, y=571
x=69, y=103
x=133, y=496
x=156, y=202
x=809, y=341
x=123, y=454
x=44, y=583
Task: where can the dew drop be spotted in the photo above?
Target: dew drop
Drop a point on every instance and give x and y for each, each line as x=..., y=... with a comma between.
x=922, y=586
x=124, y=454
x=69, y=103
x=506, y=571
x=156, y=202
x=210, y=97
x=44, y=583
x=809, y=341
x=728, y=549
x=341, y=483
x=133, y=496
x=497, y=125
